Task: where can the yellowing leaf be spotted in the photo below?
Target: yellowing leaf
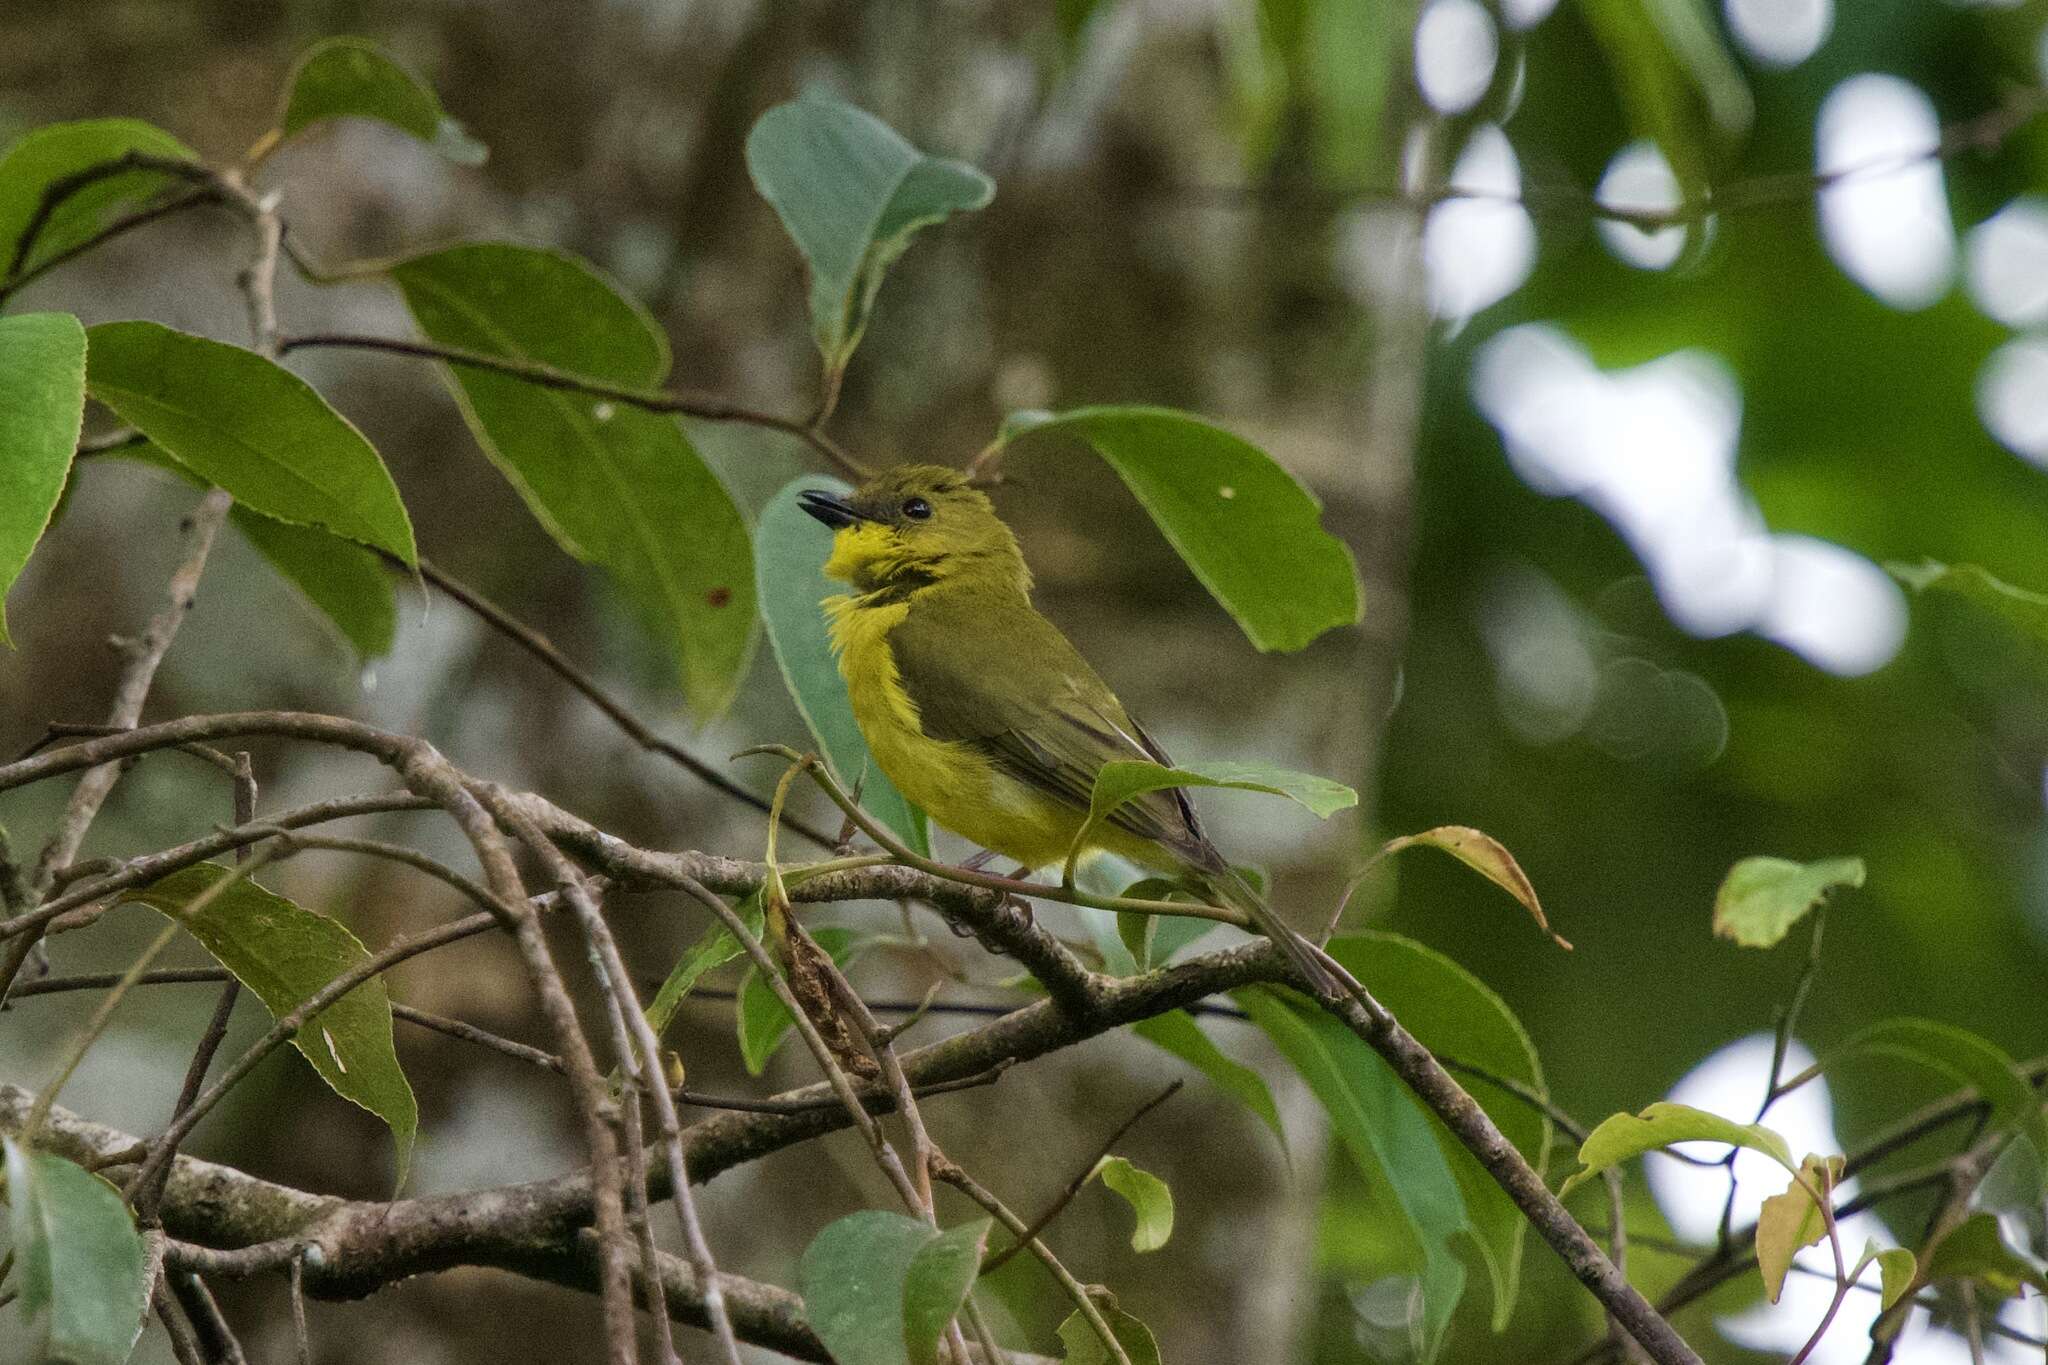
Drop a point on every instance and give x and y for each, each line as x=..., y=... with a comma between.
x=1148, y=1197
x=1791, y=1221
x=1490, y=859
x=1621, y=1136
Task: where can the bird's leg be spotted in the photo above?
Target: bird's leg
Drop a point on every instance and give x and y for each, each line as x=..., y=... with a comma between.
x=982, y=858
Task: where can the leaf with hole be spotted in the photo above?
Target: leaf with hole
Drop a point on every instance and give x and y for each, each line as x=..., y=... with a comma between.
x=762, y=1020
x=1621, y=1136
x=1249, y=531
x=614, y=484
x=879, y=1288
x=250, y=426
x=45, y=156
x=350, y=78
x=1148, y=1196
x=789, y=557
x=80, y=1266
x=1762, y=898
x=851, y=193
x=42, y=404
x=1490, y=859
x=285, y=954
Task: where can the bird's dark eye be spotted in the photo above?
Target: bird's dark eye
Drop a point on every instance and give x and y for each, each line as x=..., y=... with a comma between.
x=917, y=509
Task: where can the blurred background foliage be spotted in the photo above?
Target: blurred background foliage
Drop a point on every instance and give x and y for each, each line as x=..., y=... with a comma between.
x=1619, y=497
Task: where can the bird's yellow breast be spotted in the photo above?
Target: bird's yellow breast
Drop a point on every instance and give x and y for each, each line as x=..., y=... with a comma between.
x=956, y=786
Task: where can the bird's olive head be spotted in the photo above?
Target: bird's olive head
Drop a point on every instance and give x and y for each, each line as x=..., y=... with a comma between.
x=917, y=526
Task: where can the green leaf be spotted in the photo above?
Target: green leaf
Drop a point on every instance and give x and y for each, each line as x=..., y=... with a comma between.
x=936, y=1284
x=1080, y=1345
x=344, y=581
x=1677, y=82
x=1489, y=858
x=285, y=954
x=42, y=404
x=80, y=1266
x=2024, y=611
x=1251, y=533
x=1456, y=1015
x=714, y=949
x=1177, y=1032
x=1389, y=1136
x=789, y=558
x=1762, y=898
x=51, y=153
x=1962, y=1055
x=851, y=193
x=1792, y=1220
x=879, y=1288
x=1621, y=1136
x=250, y=426
x=614, y=484
x=1896, y=1269
x=1125, y=780
x=1148, y=1196
x=1346, y=56
x=762, y=1020
x=1152, y=940
x=1975, y=1250
x=350, y=78
x=340, y=578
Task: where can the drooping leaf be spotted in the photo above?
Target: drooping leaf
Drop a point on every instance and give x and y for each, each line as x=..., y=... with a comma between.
x=2025, y=611
x=1121, y=781
x=345, y=582
x=42, y=404
x=1621, y=1136
x=57, y=151
x=876, y=1285
x=1762, y=898
x=1677, y=83
x=614, y=484
x=1457, y=1016
x=1149, y=1197
x=1896, y=1269
x=936, y=1284
x=285, y=953
x=340, y=578
x=1489, y=858
x=250, y=426
x=351, y=78
x=1080, y=1345
x=851, y=193
x=1791, y=1221
x=1389, y=1136
x=714, y=949
x=80, y=1266
x=789, y=556
x=1975, y=1250
x=763, y=1021
x=1177, y=1032
x=1152, y=940
x=1964, y=1056
x=1251, y=533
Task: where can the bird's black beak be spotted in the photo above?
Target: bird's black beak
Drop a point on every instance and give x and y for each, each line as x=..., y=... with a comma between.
x=835, y=512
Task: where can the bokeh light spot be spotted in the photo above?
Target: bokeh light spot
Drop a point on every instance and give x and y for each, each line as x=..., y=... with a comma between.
x=1455, y=52
x=1886, y=221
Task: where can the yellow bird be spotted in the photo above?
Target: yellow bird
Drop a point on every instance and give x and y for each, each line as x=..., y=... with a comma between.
x=979, y=710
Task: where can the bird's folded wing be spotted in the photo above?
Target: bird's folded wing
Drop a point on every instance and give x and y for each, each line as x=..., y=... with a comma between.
x=1038, y=711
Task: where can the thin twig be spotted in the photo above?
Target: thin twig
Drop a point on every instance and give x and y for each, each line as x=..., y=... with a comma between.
x=704, y=407
x=1080, y=1180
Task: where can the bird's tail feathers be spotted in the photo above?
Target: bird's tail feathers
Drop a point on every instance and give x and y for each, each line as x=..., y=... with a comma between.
x=1229, y=886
